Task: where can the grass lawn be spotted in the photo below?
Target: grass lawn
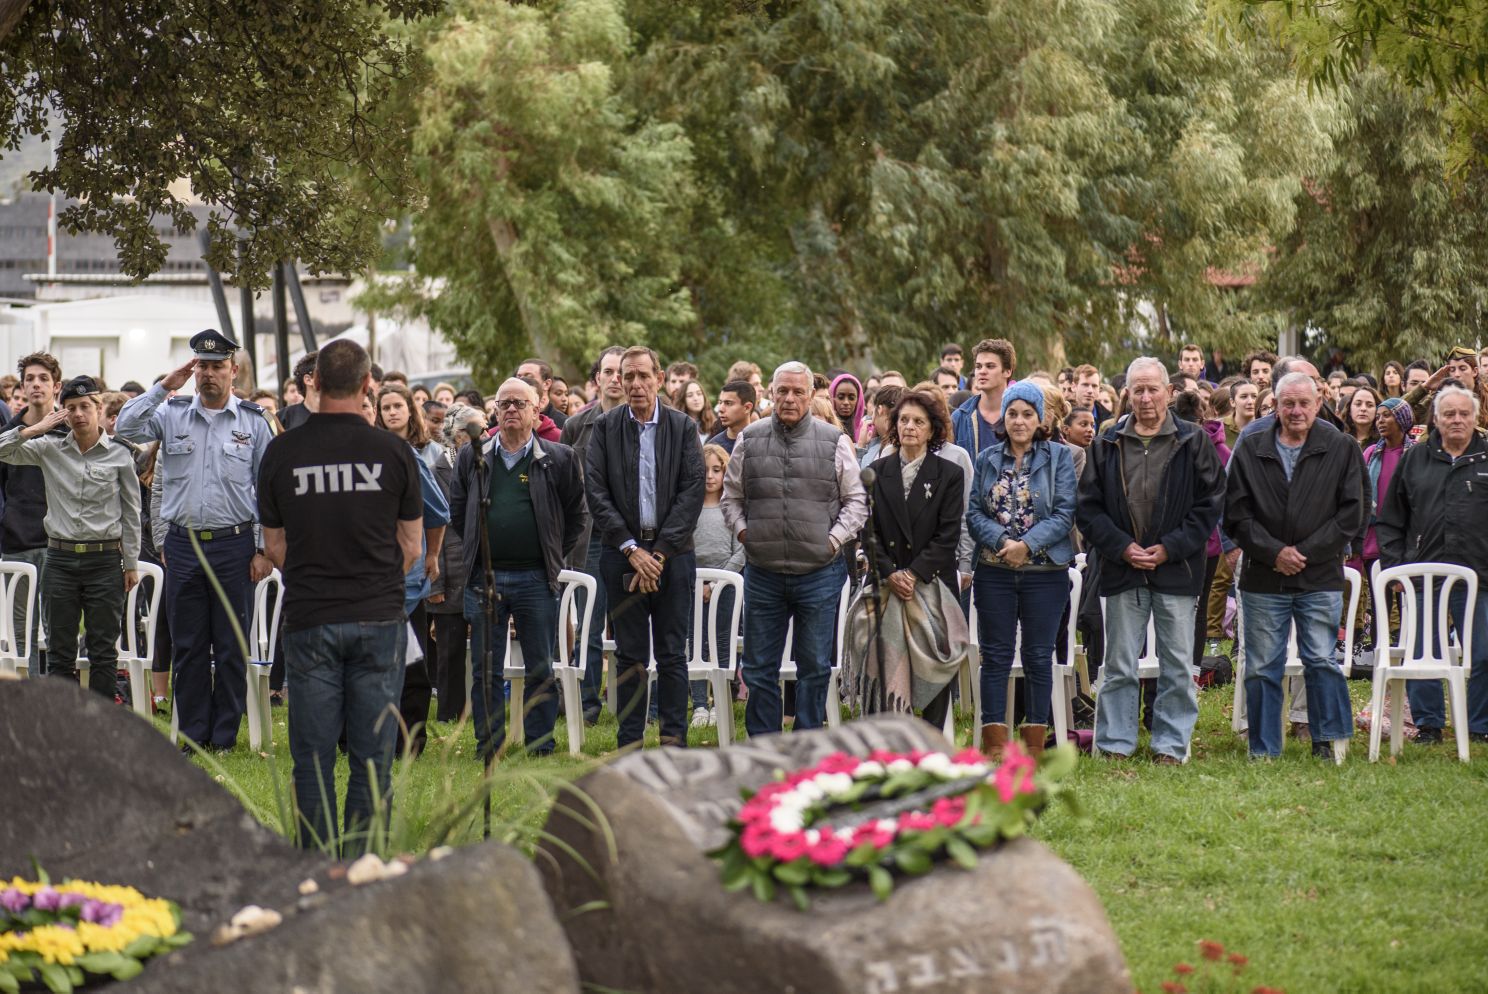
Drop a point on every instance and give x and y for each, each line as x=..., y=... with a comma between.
x=1361, y=878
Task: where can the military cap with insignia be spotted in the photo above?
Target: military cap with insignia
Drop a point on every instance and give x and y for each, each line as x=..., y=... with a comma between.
x=212, y=345
x=80, y=386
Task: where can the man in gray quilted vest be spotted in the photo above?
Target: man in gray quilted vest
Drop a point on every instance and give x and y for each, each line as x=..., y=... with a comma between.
x=794, y=499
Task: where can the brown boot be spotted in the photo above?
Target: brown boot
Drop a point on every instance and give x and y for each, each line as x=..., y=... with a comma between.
x=1033, y=737
x=994, y=737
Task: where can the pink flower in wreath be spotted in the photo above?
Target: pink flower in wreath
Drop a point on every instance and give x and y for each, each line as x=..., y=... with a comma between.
x=872, y=832
x=949, y=811
x=838, y=762
x=828, y=851
x=757, y=840
x=917, y=821
x=788, y=847
x=1015, y=775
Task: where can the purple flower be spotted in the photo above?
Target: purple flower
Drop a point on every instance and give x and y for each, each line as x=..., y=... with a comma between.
x=47, y=899
x=72, y=900
x=14, y=900
x=102, y=913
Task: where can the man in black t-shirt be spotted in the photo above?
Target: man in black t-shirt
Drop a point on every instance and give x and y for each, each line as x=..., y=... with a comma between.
x=342, y=515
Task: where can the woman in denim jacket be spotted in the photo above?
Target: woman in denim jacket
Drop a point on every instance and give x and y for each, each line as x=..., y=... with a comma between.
x=1022, y=509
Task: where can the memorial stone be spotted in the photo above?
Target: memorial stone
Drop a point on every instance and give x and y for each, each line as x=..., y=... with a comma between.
x=645, y=910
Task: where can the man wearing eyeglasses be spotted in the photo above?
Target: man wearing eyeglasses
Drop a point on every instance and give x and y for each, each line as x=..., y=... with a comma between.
x=535, y=520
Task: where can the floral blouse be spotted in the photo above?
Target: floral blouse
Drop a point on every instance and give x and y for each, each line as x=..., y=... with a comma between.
x=1010, y=504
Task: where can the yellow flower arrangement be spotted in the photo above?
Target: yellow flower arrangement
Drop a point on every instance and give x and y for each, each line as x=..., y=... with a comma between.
x=59, y=934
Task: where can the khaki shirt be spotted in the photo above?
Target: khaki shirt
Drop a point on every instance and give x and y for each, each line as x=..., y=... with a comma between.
x=92, y=496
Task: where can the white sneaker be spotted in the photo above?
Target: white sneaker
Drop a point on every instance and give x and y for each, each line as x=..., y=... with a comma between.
x=700, y=718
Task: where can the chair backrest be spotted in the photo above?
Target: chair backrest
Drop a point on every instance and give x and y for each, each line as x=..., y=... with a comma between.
x=1426, y=622
x=138, y=636
x=573, y=581
x=705, y=649
x=1077, y=587
x=14, y=644
x=268, y=606
x=843, y=601
x=1354, y=580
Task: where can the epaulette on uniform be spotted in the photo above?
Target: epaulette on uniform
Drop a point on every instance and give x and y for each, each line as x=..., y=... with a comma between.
x=249, y=405
x=180, y=399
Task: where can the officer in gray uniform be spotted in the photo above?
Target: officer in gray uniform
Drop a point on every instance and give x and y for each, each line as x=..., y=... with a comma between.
x=210, y=447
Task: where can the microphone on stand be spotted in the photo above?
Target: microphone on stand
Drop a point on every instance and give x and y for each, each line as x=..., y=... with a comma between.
x=867, y=476
x=475, y=431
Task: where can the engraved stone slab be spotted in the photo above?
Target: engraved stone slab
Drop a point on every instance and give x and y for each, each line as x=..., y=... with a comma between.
x=650, y=913
x=93, y=791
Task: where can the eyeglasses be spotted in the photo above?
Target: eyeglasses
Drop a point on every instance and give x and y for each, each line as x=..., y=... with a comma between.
x=513, y=404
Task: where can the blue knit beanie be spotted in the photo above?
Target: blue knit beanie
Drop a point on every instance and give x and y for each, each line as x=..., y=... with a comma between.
x=1026, y=391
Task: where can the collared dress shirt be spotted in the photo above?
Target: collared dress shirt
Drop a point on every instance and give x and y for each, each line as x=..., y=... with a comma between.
x=208, y=459
x=92, y=496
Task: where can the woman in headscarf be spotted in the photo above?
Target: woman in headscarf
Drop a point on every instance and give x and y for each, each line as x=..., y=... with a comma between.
x=847, y=402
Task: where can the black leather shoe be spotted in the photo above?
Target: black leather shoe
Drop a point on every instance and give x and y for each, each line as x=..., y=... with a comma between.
x=1322, y=750
x=1428, y=736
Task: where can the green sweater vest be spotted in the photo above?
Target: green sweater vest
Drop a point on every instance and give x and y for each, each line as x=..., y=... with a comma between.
x=515, y=543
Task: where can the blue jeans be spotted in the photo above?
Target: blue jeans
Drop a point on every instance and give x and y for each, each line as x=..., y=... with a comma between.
x=646, y=626
x=1268, y=622
x=772, y=601
x=1006, y=600
x=523, y=595
x=1428, y=704
x=1177, y=705
x=343, y=675
x=594, y=665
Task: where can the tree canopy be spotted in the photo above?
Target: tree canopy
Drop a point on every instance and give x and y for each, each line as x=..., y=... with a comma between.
x=270, y=111
x=853, y=182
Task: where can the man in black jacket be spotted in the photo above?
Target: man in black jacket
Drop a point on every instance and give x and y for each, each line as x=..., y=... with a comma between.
x=1148, y=500
x=535, y=520
x=644, y=480
x=1294, y=500
x=1431, y=513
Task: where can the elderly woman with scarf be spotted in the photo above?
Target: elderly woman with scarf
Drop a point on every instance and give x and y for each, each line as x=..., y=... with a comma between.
x=847, y=403
x=918, y=505
x=1021, y=515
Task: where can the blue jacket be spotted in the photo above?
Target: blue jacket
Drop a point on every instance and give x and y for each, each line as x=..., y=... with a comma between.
x=436, y=515
x=965, y=423
x=1051, y=475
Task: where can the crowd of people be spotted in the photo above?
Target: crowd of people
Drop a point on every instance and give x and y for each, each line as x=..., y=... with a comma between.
x=417, y=528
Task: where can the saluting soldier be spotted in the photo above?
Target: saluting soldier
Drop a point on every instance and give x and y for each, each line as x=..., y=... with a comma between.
x=210, y=448
x=92, y=528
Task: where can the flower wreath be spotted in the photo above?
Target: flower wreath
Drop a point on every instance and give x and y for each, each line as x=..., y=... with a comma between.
x=847, y=817
x=60, y=934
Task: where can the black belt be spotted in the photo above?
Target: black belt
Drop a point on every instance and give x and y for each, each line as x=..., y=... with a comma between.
x=109, y=545
x=211, y=533
x=646, y=535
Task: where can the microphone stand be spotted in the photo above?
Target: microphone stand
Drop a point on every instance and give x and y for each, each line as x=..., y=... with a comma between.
x=488, y=603
x=870, y=546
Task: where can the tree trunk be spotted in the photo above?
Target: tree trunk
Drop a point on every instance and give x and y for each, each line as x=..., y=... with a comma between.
x=11, y=12
x=504, y=235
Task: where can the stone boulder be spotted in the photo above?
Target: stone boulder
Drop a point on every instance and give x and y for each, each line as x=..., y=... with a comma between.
x=650, y=914
x=94, y=792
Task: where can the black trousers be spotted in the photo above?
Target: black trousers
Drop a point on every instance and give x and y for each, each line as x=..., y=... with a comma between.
x=85, y=587
x=451, y=646
x=643, y=623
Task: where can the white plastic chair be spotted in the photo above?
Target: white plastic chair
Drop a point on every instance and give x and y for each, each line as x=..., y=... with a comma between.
x=569, y=672
x=788, y=661
x=566, y=674
x=137, y=640
x=1294, y=667
x=704, y=663
x=263, y=639
x=1432, y=661
x=1062, y=702
x=15, y=647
